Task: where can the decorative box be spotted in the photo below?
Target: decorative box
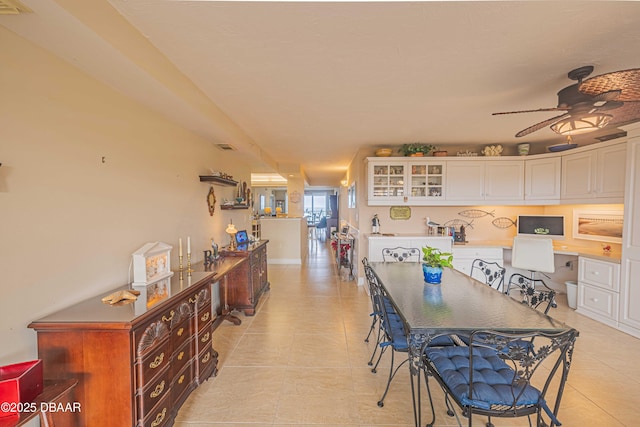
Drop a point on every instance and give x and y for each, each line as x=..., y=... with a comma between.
x=151, y=263
x=20, y=382
x=152, y=272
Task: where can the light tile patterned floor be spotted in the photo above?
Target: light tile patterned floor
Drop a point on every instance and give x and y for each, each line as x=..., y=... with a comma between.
x=301, y=361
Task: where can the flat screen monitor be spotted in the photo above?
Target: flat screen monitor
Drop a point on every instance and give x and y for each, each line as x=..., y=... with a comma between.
x=541, y=226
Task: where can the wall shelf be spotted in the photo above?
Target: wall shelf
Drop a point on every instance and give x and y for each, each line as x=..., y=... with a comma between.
x=229, y=207
x=218, y=180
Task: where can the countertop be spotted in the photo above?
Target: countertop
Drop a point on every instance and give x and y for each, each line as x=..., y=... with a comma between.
x=559, y=248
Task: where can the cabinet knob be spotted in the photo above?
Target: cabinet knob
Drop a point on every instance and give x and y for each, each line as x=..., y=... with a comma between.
x=594, y=299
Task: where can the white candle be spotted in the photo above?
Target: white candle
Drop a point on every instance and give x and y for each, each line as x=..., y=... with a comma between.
x=180, y=243
x=188, y=245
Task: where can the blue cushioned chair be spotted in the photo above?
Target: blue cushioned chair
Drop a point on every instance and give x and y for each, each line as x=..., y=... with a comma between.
x=391, y=328
x=495, y=374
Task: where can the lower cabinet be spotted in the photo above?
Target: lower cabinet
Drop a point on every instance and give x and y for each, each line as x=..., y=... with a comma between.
x=599, y=290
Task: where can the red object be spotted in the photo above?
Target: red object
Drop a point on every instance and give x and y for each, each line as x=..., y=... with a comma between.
x=19, y=383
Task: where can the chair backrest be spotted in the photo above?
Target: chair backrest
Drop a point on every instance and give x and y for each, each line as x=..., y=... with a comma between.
x=506, y=375
x=539, y=297
x=401, y=254
x=490, y=273
x=533, y=254
x=322, y=223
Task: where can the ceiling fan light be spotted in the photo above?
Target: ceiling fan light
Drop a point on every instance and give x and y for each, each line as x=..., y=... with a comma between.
x=581, y=124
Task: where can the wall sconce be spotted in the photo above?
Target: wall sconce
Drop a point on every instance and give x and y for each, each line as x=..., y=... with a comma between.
x=344, y=182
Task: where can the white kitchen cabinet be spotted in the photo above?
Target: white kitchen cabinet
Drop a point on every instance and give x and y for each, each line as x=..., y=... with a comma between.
x=594, y=174
x=378, y=242
x=463, y=257
x=599, y=290
x=405, y=181
x=479, y=181
x=629, y=315
x=542, y=179
x=387, y=182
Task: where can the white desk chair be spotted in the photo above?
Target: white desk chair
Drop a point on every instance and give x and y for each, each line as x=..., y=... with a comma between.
x=536, y=255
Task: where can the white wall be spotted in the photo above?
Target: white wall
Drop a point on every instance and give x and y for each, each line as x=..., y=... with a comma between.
x=69, y=220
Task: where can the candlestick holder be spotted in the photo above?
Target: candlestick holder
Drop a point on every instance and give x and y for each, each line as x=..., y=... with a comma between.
x=180, y=266
x=189, y=270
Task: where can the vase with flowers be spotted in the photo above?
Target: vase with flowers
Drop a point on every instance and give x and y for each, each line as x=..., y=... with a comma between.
x=433, y=260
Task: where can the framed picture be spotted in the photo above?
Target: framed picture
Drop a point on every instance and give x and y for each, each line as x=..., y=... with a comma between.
x=242, y=237
x=351, y=196
x=603, y=226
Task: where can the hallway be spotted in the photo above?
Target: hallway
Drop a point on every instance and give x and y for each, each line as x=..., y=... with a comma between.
x=301, y=361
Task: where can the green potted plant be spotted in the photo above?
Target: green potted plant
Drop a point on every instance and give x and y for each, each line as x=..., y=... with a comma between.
x=433, y=260
x=416, y=149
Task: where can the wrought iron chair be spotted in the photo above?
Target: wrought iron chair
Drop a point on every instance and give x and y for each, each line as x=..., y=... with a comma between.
x=490, y=273
x=498, y=377
x=400, y=254
x=391, y=329
x=536, y=255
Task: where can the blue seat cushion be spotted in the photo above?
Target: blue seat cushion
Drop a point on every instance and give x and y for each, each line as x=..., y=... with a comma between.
x=493, y=379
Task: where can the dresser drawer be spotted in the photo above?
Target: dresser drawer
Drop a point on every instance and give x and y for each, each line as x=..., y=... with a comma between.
x=152, y=393
x=204, y=317
x=161, y=414
x=599, y=301
x=599, y=273
x=152, y=363
x=181, y=383
x=181, y=357
x=180, y=333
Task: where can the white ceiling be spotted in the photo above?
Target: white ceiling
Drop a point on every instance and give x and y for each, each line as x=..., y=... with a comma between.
x=304, y=85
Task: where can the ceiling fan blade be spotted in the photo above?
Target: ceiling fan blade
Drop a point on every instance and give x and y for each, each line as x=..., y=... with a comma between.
x=628, y=113
x=531, y=111
x=541, y=125
x=609, y=105
x=627, y=81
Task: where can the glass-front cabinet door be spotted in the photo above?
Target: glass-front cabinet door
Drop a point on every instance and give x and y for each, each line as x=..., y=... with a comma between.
x=426, y=181
x=387, y=182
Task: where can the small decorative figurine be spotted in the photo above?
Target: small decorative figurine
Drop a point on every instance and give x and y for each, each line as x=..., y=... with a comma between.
x=375, y=224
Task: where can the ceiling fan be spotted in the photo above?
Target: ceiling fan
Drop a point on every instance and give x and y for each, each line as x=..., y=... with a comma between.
x=591, y=104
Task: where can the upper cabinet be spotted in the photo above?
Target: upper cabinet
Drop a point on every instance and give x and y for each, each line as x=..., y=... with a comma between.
x=405, y=182
x=475, y=181
x=542, y=181
x=594, y=174
x=387, y=182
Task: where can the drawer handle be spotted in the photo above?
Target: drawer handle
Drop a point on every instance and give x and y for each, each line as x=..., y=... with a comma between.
x=205, y=337
x=181, y=355
x=205, y=317
x=157, y=361
x=180, y=332
x=170, y=318
x=158, y=391
x=159, y=418
x=181, y=380
x=206, y=358
x=594, y=299
x=194, y=299
x=595, y=273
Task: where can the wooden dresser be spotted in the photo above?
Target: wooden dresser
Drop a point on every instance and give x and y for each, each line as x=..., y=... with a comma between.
x=135, y=365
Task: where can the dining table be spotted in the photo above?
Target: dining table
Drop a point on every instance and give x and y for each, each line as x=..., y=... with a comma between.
x=457, y=306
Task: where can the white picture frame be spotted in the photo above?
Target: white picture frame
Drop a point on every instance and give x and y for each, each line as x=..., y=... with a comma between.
x=598, y=225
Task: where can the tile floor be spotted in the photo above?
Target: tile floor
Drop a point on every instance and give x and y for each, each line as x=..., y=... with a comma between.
x=301, y=361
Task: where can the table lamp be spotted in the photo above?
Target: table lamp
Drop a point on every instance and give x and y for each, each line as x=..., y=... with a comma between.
x=231, y=231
